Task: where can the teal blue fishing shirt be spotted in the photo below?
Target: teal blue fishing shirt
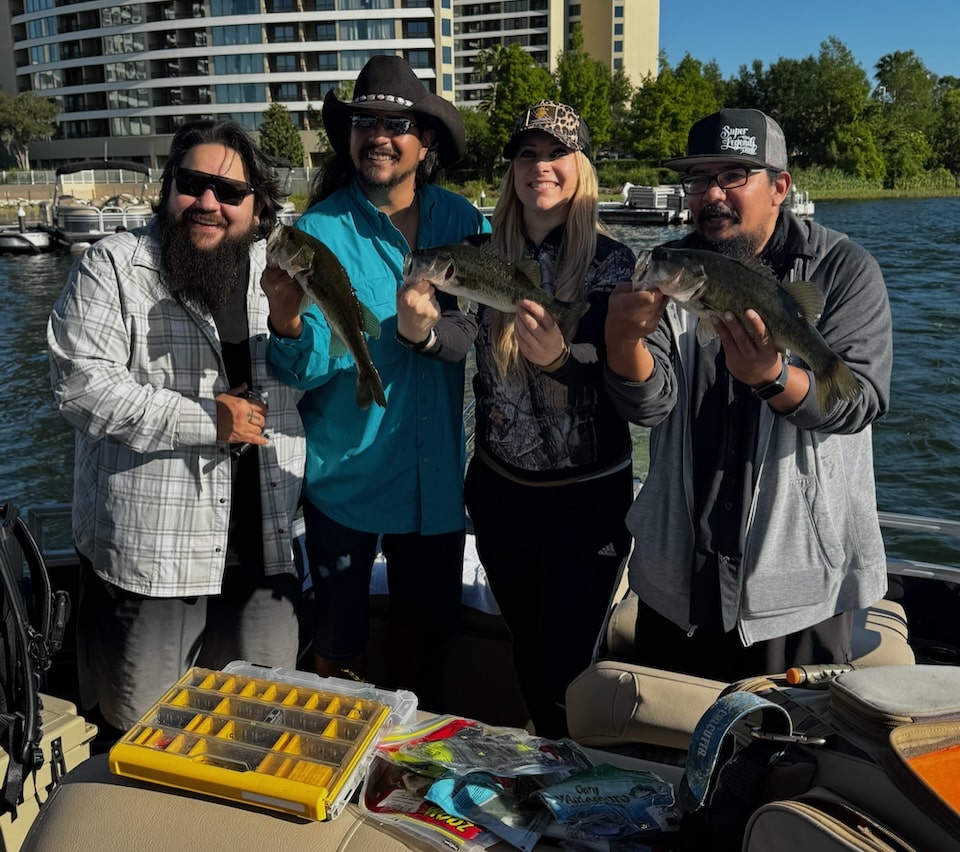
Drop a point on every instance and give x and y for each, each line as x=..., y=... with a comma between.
x=398, y=469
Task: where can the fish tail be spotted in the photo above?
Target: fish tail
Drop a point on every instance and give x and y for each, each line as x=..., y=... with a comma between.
x=836, y=383
x=370, y=388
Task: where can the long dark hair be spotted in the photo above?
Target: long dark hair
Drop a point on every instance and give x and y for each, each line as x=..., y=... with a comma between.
x=266, y=184
x=338, y=171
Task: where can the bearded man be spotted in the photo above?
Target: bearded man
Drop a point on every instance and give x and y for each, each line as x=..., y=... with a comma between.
x=185, y=483
x=756, y=532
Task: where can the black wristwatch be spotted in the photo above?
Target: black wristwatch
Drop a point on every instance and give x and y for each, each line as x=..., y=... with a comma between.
x=417, y=347
x=778, y=385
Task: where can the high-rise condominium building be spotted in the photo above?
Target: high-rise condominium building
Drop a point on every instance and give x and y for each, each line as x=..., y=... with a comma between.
x=127, y=74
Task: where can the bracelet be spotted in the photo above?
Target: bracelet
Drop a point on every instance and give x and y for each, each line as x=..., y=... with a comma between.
x=557, y=362
x=426, y=343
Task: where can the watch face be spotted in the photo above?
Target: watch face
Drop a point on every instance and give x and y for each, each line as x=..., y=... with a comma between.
x=778, y=385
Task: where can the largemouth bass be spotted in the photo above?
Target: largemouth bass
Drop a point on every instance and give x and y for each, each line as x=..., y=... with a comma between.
x=709, y=284
x=481, y=275
x=326, y=285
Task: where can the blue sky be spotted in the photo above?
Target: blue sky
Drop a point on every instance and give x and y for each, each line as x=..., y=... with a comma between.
x=735, y=35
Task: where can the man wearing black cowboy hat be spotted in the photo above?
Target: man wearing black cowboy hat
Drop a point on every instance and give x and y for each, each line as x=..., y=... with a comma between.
x=393, y=474
x=756, y=529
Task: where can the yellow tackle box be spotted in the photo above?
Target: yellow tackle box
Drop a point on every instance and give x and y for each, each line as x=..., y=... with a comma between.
x=275, y=738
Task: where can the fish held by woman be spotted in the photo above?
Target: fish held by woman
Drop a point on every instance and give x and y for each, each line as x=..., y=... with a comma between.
x=710, y=284
x=325, y=284
x=479, y=274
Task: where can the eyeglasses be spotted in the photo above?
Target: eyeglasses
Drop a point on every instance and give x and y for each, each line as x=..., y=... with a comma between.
x=391, y=125
x=727, y=179
x=227, y=191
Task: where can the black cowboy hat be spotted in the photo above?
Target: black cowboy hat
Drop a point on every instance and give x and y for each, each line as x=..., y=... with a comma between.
x=389, y=84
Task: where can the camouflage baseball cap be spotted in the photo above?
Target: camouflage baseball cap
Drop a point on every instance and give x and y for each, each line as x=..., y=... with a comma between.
x=558, y=120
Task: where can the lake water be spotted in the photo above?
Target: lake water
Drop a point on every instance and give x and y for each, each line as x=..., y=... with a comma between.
x=917, y=243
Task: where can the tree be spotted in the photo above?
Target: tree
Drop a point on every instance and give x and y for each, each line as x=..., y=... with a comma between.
x=946, y=139
x=665, y=107
x=621, y=94
x=584, y=84
x=279, y=136
x=520, y=83
x=26, y=119
x=482, y=153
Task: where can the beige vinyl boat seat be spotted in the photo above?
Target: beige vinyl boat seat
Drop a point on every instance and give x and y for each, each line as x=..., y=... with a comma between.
x=617, y=703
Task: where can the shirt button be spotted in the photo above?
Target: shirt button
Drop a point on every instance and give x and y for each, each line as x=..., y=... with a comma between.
x=223, y=499
x=216, y=550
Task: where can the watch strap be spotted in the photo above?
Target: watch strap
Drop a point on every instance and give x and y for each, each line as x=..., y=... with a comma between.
x=778, y=385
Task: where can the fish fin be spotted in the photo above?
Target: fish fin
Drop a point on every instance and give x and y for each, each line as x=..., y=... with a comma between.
x=837, y=383
x=337, y=348
x=758, y=266
x=467, y=305
x=808, y=298
x=568, y=314
x=705, y=331
x=530, y=269
x=370, y=388
x=371, y=325
x=305, y=303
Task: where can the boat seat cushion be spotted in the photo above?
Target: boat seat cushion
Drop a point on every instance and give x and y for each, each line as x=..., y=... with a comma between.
x=615, y=702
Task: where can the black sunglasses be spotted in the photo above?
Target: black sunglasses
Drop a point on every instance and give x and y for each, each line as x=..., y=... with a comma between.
x=227, y=191
x=392, y=126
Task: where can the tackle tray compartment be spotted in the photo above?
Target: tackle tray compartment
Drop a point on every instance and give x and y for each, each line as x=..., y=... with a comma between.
x=276, y=738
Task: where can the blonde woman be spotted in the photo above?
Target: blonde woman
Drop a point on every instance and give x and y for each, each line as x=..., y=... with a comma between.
x=551, y=478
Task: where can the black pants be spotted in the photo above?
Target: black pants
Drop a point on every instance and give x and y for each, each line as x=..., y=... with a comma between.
x=711, y=653
x=552, y=555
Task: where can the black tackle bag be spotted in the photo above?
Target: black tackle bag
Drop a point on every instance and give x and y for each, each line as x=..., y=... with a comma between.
x=32, y=623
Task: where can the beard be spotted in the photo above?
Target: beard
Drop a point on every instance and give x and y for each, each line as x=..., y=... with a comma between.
x=741, y=246
x=203, y=279
x=367, y=176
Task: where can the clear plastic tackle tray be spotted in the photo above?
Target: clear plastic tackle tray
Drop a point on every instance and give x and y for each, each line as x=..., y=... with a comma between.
x=277, y=738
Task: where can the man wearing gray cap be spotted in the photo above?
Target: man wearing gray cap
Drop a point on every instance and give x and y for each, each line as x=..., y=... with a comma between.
x=756, y=531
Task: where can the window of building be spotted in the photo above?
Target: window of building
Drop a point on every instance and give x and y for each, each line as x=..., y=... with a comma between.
x=121, y=72
x=618, y=11
x=366, y=29
x=238, y=63
x=128, y=99
x=220, y=8
x=445, y=26
x=349, y=5
x=326, y=61
x=285, y=63
x=618, y=46
x=416, y=29
x=246, y=34
x=618, y=29
x=284, y=33
x=447, y=54
x=419, y=58
x=325, y=32
x=130, y=126
x=448, y=82
x=240, y=93
x=286, y=92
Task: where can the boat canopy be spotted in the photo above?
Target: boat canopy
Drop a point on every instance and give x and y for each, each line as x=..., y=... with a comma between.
x=125, y=165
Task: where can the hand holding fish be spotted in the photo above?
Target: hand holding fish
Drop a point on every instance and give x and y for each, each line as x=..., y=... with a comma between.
x=284, y=295
x=240, y=420
x=632, y=315
x=417, y=310
x=538, y=335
